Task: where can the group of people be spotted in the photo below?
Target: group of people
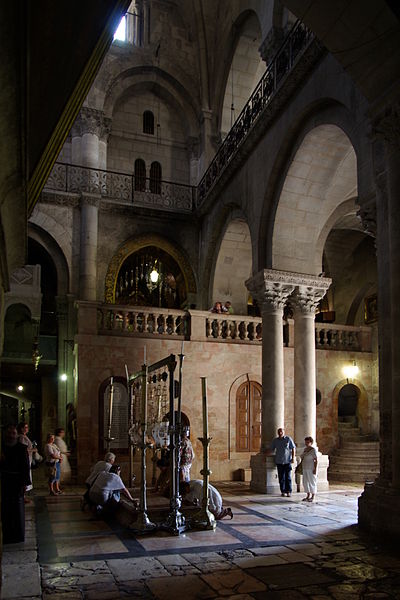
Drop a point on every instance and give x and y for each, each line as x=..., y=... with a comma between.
x=220, y=307
x=190, y=489
x=284, y=449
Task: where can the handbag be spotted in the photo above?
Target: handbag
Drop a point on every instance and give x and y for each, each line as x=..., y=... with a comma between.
x=36, y=460
x=299, y=468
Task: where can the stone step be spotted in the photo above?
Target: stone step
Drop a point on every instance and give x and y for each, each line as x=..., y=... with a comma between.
x=364, y=445
x=349, y=419
x=352, y=477
x=345, y=426
x=357, y=466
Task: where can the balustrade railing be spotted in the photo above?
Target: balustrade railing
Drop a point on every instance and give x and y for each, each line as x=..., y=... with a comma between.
x=197, y=325
x=122, y=187
x=142, y=321
x=296, y=41
x=342, y=337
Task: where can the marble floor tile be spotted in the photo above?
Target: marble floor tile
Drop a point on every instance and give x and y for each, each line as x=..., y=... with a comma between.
x=273, y=533
x=259, y=561
x=289, y=576
x=79, y=527
x=15, y=586
x=193, y=539
x=207, y=562
x=90, y=545
x=19, y=557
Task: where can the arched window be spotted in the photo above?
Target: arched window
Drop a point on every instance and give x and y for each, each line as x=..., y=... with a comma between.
x=140, y=175
x=148, y=122
x=155, y=178
x=248, y=417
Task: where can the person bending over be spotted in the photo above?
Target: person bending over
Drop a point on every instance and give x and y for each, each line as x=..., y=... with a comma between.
x=192, y=493
x=105, y=493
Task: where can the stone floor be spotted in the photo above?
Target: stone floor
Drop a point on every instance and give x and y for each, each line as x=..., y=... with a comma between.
x=278, y=548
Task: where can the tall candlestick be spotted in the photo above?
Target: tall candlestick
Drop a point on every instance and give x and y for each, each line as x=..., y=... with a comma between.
x=183, y=341
x=110, y=406
x=205, y=412
x=144, y=355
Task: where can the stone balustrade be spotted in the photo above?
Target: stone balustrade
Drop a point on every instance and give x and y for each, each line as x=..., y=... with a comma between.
x=204, y=326
x=342, y=337
x=141, y=321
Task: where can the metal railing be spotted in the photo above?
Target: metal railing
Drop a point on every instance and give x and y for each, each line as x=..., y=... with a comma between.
x=296, y=41
x=122, y=187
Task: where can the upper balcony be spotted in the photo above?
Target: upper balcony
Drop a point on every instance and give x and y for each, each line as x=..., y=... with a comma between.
x=204, y=326
x=122, y=188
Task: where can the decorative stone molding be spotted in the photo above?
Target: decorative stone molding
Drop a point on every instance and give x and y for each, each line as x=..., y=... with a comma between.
x=92, y=121
x=272, y=288
x=367, y=216
x=90, y=200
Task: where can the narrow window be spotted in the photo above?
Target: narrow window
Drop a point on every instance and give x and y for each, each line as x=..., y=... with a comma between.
x=148, y=122
x=155, y=178
x=140, y=175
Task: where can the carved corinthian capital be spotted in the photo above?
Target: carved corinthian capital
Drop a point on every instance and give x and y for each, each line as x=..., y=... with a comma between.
x=92, y=121
x=306, y=298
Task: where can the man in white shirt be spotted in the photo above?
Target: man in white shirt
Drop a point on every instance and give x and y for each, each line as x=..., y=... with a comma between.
x=107, y=488
x=192, y=492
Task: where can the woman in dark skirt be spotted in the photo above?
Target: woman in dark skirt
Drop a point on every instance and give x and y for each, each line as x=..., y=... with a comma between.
x=14, y=467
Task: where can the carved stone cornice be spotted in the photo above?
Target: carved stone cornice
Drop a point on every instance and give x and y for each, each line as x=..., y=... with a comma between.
x=367, y=216
x=272, y=288
x=91, y=120
x=387, y=126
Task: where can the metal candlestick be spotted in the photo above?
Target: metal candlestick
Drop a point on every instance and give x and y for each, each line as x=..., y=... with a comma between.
x=109, y=439
x=204, y=519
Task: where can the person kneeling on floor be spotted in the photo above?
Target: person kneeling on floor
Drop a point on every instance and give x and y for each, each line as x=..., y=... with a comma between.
x=192, y=493
x=105, y=493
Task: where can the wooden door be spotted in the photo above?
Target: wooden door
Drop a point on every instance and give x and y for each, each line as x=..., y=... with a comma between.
x=248, y=417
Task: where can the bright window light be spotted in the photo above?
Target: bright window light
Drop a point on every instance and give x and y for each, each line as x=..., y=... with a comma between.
x=20, y=388
x=120, y=33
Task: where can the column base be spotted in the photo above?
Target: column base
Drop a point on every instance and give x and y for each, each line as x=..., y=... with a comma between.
x=264, y=476
x=379, y=510
x=322, y=481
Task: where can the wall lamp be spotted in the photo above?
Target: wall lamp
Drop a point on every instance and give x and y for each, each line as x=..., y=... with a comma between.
x=350, y=371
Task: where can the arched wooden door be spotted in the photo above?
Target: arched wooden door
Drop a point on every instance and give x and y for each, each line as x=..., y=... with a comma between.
x=248, y=417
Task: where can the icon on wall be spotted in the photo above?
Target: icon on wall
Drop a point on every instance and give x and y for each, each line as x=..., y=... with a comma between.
x=371, y=309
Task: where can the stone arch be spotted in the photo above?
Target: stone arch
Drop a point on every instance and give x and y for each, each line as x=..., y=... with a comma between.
x=322, y=173
x=139, y=79
x=220, y=222
x=363, y=412
x=136, y=244
x=325, y=111
x=235, y=385
x=56, y=251
x=242, y=45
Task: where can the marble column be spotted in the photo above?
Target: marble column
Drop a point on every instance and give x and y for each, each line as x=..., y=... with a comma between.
x=305, y=301
x=89, y=149
x=271, y=291
x=379, y=505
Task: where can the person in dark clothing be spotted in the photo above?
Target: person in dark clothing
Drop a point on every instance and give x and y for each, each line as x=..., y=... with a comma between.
x=15, y=477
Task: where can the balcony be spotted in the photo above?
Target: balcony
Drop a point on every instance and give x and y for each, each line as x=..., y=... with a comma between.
x=204, y=326
x=121, y=188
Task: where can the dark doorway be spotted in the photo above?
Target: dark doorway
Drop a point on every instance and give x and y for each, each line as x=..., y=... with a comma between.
x=348, y=399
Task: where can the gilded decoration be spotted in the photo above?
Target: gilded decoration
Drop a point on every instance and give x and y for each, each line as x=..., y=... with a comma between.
x=137, y=244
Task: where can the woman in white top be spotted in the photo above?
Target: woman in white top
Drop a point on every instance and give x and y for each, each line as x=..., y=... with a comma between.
x=53, y=458
x=65, y=467
x=310, y=461
x=107, y=488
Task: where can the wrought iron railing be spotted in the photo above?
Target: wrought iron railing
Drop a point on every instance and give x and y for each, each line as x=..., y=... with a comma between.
x=297, y=40
x=122, y=187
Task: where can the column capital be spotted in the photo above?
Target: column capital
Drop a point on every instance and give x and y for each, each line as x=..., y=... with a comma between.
x=91, y=120
x=88, y=199
x=272, y=288
x=306, y=298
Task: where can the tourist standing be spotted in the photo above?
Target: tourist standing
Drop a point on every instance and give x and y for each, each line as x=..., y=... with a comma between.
x=284, y=448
